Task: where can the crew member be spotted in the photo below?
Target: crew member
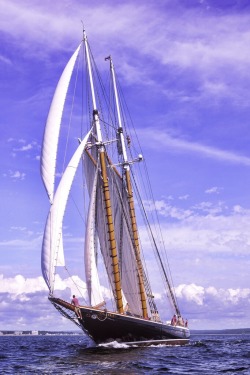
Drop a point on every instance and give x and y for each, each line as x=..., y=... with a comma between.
x=75, y=302
x=174, y=320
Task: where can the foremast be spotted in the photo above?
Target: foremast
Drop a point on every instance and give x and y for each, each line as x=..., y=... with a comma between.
x=105, y=187
x=131, y=205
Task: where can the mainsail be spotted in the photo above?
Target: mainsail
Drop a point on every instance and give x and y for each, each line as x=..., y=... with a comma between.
x=52, y=129
x=126, y=254
x=52, y=240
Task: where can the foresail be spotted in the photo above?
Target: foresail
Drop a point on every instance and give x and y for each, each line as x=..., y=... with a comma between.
x=92, y=278
x=52, y=240
x=52, y=129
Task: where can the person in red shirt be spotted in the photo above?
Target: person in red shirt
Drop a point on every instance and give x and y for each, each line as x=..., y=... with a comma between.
x=75, y=302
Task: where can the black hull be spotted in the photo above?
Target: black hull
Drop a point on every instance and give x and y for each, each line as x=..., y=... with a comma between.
x=105, y=326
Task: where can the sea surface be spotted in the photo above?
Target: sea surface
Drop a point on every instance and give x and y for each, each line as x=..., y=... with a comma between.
x=75, y=354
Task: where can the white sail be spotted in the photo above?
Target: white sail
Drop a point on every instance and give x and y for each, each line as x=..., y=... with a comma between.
x=52, y=240
x=125, y=248
x=52, y=129
x=60, y=257
x=126, y=254
x=92, y=278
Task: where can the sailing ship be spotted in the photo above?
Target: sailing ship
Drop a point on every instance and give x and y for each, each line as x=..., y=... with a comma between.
x=115, y=220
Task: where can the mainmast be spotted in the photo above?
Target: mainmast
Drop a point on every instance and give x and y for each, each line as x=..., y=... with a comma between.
x=130, y=196
x=105, y=186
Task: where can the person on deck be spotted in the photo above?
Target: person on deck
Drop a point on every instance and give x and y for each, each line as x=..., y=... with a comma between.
x=180, y=321
x=127, y=310
x=174, y=320
x=75, y=302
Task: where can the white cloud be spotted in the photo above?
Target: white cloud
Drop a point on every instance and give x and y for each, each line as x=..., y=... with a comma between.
x=16, y=175
x=210, y=208
x=19, y=228
x=206, y=228
x=19, y=285
x=154, y=138
x=202, y=296
x=199, y=304
x=35, y=22
x=176, y=43
x=213, y=190
x=184, y=197
x=26, y=147
x=167, y=210
x=191, y=292
x=240, y=210
x=23, y=243
x=5, y=60
x=24, y=230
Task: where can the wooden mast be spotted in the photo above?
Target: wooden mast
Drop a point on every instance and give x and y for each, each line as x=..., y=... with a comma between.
x=105, y=186
x=130, y=199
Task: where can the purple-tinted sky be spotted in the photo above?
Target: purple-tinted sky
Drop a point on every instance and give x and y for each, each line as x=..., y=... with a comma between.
x=186, y=71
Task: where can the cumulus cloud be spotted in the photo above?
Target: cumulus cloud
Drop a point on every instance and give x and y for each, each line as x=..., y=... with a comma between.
x=195, y=301
x=214, y=308
x=192, y=293
x=32, y=308
x=217, y=301
x=205, y=230
x=20, y=285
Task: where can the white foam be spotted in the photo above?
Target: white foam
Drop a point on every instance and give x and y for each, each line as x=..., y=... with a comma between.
x=115, y=345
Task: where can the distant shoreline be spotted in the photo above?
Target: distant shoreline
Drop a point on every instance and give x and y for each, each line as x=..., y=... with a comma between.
x=39, y=333
x=228, y=331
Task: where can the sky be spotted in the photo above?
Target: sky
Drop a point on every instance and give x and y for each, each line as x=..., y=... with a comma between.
x=186, y=70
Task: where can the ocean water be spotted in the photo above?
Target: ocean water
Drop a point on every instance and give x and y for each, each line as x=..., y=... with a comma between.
x=75, y=354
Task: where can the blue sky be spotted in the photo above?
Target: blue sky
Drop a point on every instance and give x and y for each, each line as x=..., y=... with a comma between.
x=186, y=72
